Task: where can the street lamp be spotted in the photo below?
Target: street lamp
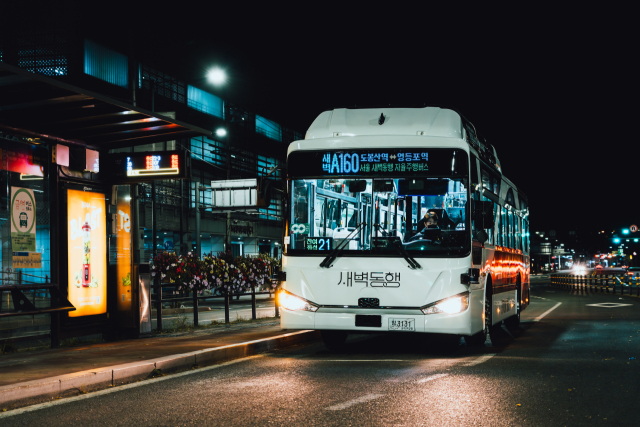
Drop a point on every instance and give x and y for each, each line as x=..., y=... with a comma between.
x=216, y=76
x=221, y=132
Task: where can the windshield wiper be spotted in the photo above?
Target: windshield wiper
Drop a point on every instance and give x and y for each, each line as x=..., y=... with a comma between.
x=413, y=264
x=326, y=263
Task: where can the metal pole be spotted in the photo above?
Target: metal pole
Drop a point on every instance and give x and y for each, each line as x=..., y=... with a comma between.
x=254, y=315
x=154, y=230
x=197, y=187
x=181, y=216
x=195, y=308
x=158, y=301
x=227, y=234
x=226, y=307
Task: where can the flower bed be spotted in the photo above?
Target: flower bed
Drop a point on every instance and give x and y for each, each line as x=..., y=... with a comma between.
x=223, y=273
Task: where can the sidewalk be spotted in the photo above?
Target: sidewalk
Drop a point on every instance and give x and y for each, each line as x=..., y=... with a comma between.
x=37, y=376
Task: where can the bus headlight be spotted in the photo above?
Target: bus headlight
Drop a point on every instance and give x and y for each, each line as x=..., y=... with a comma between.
x=451, y=305
x=293, y=303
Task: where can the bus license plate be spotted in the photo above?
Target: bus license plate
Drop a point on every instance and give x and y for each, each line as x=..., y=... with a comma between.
x=402, y=324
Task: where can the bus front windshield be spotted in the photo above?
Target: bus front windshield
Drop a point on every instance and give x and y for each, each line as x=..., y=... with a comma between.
x=425, y=216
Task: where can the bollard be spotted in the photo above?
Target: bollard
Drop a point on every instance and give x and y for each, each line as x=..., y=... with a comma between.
x=606, y=284
x=622, y=286
x=276, y=301
x=613, y=284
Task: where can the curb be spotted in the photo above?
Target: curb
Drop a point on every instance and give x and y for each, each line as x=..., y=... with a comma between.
x=38, y=391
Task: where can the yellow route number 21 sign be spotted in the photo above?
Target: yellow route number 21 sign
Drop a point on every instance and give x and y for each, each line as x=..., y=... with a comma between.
x=87, y=256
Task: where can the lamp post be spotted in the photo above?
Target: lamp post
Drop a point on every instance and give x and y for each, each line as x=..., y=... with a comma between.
x=218, y=78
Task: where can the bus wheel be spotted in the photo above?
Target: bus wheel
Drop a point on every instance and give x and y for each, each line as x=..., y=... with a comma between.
x=514, y=321
x=481, y=337
x=334, y=340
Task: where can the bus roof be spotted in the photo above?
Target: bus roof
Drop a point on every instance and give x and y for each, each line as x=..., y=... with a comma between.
x=427, y=121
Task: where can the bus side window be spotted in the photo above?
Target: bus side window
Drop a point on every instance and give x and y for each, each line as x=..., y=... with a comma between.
x=474, y=170
x=486, y=180
x=512, y=230
x=498, y=225
x=504, y=227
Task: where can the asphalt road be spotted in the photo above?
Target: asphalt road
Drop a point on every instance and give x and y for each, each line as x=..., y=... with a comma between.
x=570, y=367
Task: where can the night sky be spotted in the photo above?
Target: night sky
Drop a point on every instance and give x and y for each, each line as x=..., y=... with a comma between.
x=551, y=89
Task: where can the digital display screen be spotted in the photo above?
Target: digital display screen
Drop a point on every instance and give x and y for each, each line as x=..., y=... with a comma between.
x=395, y=162
x=153, y=164
x=149, y=165
x=318, y=243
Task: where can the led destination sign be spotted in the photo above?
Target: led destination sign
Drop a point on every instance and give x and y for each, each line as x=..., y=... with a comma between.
x=396, y=162
x=153, y=165
x=345, y=163
x=318, y=243
x=150, y=165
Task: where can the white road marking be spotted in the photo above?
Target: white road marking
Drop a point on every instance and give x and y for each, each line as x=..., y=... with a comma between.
x=361, y=399
x=479, y=360
x=360, y=360
x=432, y=377
x=119, y=388
x=537, y=319
x=608, y=305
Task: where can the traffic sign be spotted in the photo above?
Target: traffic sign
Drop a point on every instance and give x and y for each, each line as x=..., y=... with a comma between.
x=633, y=228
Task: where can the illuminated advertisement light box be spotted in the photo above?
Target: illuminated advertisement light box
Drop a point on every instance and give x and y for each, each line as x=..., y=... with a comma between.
x=123, y=246
x=147, y=166
x=22, y=158
x=86, y=251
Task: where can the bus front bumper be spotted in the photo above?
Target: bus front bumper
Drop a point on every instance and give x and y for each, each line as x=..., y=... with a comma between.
x=345, y=320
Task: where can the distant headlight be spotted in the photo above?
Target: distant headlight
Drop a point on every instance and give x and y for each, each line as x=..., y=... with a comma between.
x=451, y=305
x=293, y=303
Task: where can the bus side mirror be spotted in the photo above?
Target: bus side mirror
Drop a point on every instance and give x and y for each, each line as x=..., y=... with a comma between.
x=481, y=236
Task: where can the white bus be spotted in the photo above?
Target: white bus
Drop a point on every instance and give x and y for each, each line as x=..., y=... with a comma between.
x=399, y=219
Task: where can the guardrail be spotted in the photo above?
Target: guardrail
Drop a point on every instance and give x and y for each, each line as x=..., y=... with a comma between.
x=157, y=300
x=622, y=283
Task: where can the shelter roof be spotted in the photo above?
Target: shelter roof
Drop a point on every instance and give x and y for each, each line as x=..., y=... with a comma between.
x=43, y=107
